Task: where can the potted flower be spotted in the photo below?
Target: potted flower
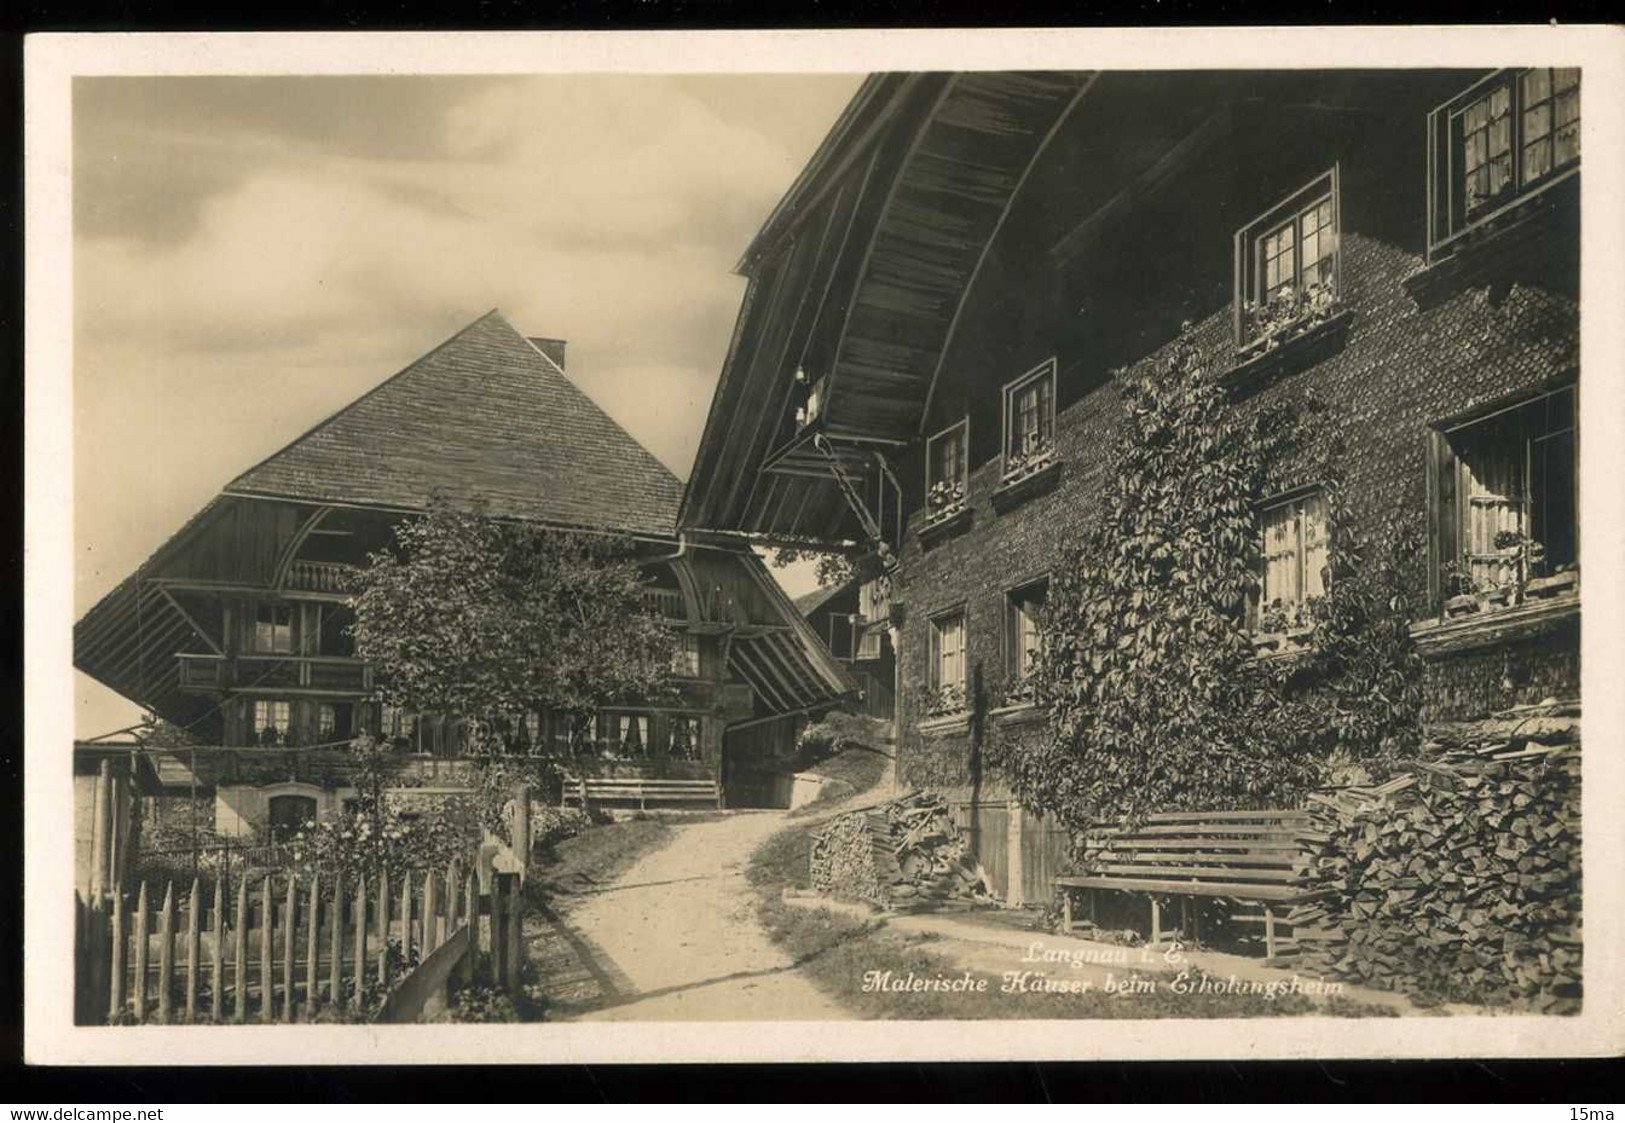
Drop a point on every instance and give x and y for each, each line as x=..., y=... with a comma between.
x=945, y=499
x=1459, y=587
x=1287, y=314
x=949, y=698
x=1037, y=454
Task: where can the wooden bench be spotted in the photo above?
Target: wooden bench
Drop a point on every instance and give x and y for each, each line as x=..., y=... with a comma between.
x=1255, y=857
x=592, y=789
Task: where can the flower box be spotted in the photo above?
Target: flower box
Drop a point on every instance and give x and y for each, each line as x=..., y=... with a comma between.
x=1462, y=605
x=1287, y=642
x=947, y=701
x=1290, y=348
x=941, y=523
x=1034, y=478
x=1541, y=588
x=1019, y=465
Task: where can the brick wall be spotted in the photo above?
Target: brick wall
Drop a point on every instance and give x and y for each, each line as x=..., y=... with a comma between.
x=1400, y=371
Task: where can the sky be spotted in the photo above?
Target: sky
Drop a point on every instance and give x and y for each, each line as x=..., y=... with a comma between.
x=251, y=254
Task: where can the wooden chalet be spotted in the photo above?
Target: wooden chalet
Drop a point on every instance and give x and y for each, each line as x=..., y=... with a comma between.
x=236, y=629
x=923, y=368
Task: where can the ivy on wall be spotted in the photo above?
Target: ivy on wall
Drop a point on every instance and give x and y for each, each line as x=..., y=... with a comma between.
x=1155, y=697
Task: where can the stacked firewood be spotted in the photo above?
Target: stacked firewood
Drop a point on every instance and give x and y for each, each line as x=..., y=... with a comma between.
x=905, y=853
x=1459, y=878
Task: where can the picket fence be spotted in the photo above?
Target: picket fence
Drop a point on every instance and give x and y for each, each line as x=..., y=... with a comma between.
x=319, y=945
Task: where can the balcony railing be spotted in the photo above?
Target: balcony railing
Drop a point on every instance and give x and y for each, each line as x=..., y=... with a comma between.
x=321, y=577
x=336, y=673
x=665, y=603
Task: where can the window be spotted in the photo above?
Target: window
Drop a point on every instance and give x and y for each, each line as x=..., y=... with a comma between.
x=1513, y=132
x=1551, y=120
x=683, y=737
x=869, y=644
x=1286, y=262
x=874, y=599
x=1293, y=561
x=334, y=720
x=1024, y=607
x=1298, y=253
x=270, y=722
x=575, y=734
x=1029, y=421
x=1486, y=135
x=685, y=659
x=631, y=732
x=290, y=814
x=273, y=629
x=948, y=664
x=946, y=468
x=1505, y=489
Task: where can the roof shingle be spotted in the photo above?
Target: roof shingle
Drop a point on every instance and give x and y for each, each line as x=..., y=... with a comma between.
x=484, y=416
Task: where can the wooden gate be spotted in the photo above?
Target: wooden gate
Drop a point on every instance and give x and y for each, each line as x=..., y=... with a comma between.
x=988, y=826
x=993, y=827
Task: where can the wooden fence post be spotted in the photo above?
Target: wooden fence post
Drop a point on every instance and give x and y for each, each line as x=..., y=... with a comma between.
x=406, y=916
x=166, y=952
x=312, y=945
x=100, y=845
x=383, y=931
x=499, y=931
x=138, y=990
x=471, y=914
x=515, y=940
x=335, y=943
x=359, y=916
x=265, y=951
x=290, y=945
x=520, y=836
x=115, y=998
x=239, y=952
x=193, y=942
x=431, y=918
x=454, y=891
x=217, y=955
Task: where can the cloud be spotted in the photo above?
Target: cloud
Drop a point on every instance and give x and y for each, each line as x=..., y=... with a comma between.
x=252, y=254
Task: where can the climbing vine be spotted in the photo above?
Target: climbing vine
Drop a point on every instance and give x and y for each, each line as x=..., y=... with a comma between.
x=1148, y=671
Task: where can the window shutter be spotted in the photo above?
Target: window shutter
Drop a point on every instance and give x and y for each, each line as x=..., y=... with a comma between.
x=1442, y=530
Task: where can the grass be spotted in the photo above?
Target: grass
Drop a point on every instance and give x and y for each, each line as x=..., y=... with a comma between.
x=848, y=751
x=838, y=952
x=575, y=867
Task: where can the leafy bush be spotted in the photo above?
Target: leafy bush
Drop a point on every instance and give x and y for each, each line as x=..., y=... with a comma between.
x=837, y=732
x=366, y=841
x=551, y=825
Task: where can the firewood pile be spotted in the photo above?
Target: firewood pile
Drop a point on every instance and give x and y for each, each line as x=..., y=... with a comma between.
x=904, y=854
x=1459, y=878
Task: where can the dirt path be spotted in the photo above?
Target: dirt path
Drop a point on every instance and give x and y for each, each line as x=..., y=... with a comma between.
x=675, y=938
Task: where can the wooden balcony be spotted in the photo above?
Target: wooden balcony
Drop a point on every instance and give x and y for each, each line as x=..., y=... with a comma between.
x=320, y=577
x=665, y=603
x=302, y=674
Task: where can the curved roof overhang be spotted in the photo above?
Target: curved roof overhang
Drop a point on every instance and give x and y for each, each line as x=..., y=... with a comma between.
x=864, y=284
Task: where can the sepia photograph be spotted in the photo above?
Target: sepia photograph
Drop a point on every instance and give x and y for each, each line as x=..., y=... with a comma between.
x=898, y=550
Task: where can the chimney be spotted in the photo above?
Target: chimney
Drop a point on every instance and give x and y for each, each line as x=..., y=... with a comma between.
x=552, y=348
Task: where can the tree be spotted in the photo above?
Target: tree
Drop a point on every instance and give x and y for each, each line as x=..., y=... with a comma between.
x=489, y=619
x=830, y=568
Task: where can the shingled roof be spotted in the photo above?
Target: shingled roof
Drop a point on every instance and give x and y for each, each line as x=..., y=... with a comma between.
x=809, y=603
x=487, y=416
